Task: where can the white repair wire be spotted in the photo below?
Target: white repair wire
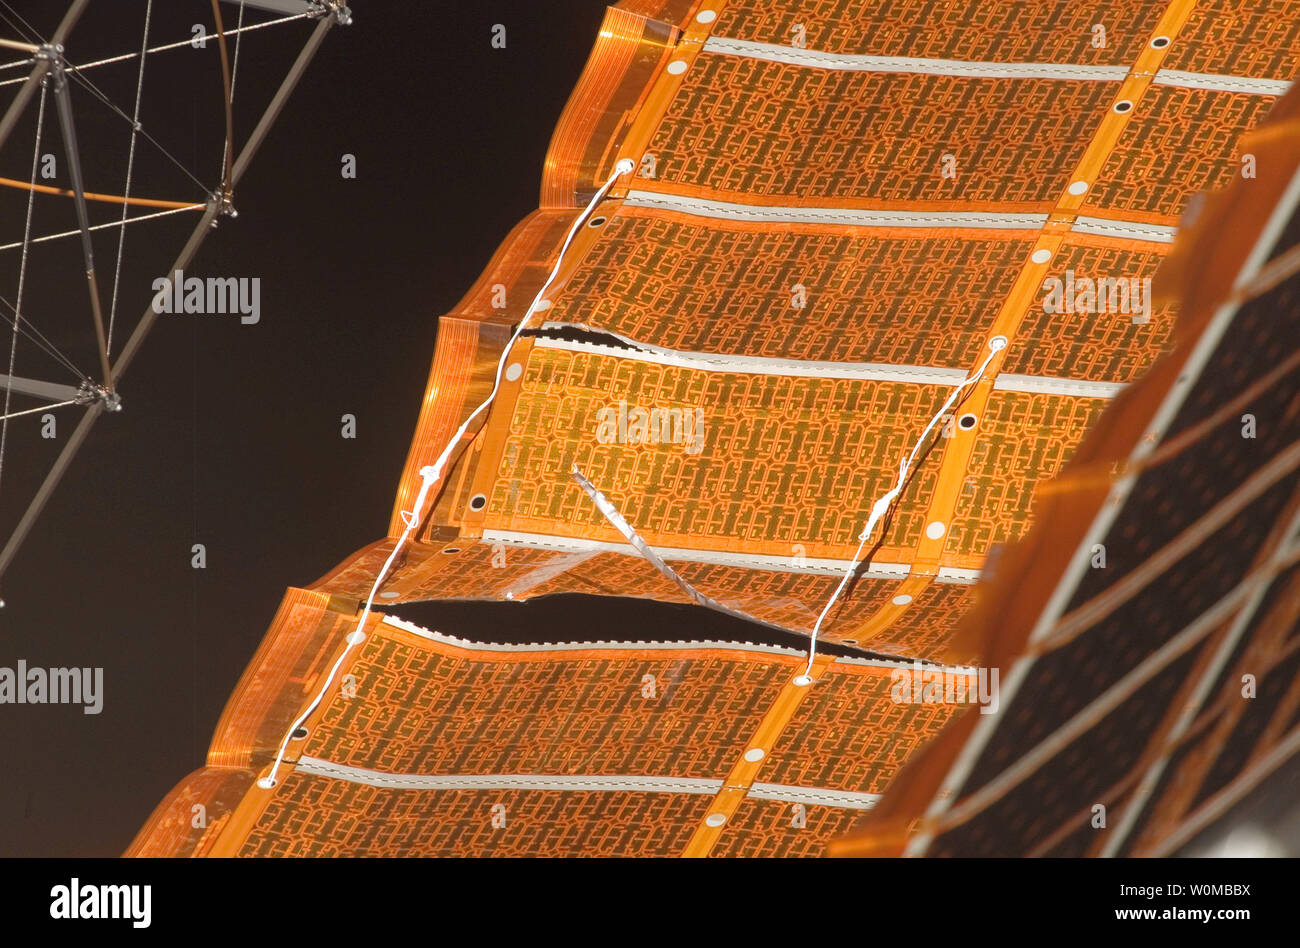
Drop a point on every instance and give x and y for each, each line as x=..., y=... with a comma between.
x=32, y=411
x=432, y=473
x=881, y=506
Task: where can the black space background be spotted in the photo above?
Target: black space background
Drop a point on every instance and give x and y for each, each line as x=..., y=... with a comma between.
x=229, y=434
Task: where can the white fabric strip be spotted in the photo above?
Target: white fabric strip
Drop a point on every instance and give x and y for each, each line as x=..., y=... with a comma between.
x=1065, y=72
x=847, y=217
x=1130, y=230
x=757, y=365
x=795, y=368
x=793, y=56
x=848, y=799
x=377, y=778
x=1044, y=385
x=1201, y=80
x=579, y=782
x=921, y=220
x=906, y=665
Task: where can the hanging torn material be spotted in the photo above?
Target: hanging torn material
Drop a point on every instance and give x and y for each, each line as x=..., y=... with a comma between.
x=622, y=526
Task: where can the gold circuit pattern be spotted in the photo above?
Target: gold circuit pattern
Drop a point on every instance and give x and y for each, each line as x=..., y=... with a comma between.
x=1093, y=341
x=783, y=459
x=765, y=828
x=807, y=293
x=318, y=816
x=422, y=710
x=1024, y=440
x=1180, y=142
x=767, y=130
x=850, y=734
x=1260, y=40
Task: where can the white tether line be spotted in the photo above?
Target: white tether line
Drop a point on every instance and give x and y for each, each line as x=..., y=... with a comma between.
x=40, y=340
x=93, y=227
x=130, y=166
x=22, y=279
x=881, y=506
x=32, y=411
x=430, y=474
x=159, y=49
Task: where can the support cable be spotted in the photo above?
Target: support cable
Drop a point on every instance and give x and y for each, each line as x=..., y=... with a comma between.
x=882, y=505
x=121, y=199
x=39, y=339
x=22, y=280
x=32, y=411
x=130, y=168
x=431, y=474
x=131, y=220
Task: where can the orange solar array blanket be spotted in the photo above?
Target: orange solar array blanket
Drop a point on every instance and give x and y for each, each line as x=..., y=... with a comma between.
x=835, y=208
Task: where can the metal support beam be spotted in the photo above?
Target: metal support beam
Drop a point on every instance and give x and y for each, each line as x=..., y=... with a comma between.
x=39, y=389
x=69, y=130
x=205, y=225
x=28, y=88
